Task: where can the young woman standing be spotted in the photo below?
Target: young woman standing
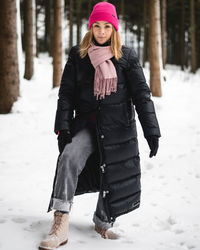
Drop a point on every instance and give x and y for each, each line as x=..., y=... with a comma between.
x=103, y=83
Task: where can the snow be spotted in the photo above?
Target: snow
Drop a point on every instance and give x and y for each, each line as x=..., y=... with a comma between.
x=168, y=218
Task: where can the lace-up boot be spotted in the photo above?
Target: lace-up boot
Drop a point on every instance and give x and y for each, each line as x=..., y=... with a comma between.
x=107, y=233
x=58, y=234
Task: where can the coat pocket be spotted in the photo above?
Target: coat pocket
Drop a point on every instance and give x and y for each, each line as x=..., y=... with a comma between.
x=130, y=112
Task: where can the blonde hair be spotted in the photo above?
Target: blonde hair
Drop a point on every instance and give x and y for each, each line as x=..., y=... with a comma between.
x=115, y=43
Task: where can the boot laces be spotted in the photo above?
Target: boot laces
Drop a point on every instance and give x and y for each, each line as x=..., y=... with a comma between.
x=57, y=224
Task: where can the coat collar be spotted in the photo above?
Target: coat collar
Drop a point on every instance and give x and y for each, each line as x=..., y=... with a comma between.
x=107, y=43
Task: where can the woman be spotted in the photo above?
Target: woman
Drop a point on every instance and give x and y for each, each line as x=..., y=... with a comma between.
x=102, y=82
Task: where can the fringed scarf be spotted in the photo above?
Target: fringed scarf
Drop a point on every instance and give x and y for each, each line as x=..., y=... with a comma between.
x=105, y=78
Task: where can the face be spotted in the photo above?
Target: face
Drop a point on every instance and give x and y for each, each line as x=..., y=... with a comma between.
x=102, y=31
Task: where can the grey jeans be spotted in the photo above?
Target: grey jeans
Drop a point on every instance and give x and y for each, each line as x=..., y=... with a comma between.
x=70, y=164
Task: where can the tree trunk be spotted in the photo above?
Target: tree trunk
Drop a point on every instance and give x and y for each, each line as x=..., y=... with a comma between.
x=138, y=38
x=70, y=23
x=154, y=51
x=51, y=2
x=9, y=72
x=89, y=10
x=193, y=36
x=126, y=32
x=198, y=34
x=122, y=8
x=174, y=47
x=121, y=20
x=47, y=25
x=163, y=32
x=145, y=32
x=28, y=38
x=78, y=20
x=35, y=34
x=57, y=43
x=22, y=11
x=182, y=36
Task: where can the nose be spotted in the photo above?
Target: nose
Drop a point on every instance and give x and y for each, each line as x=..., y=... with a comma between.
x=101, y=30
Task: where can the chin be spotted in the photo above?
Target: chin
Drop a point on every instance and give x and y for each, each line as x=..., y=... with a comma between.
x=101, y=42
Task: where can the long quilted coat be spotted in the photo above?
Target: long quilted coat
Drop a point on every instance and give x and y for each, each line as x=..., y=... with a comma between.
x=114, y=167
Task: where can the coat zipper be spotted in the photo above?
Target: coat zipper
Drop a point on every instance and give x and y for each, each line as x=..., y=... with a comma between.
x=105, y=192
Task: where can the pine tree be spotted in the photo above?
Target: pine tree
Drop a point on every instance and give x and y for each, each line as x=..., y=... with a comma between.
x=71, y=23
x=163, y=31
x=9, y=73
x=28, y=39
x=193, y=36
x=154, y=43
x=57, y=42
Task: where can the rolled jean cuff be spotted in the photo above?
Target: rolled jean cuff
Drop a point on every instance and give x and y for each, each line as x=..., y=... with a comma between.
x=61, y=205
x=101, y=224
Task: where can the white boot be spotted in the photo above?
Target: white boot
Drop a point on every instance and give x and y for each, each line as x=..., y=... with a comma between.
x=58, y=234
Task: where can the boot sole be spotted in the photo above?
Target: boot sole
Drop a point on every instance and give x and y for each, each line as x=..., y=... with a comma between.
x=45, y=248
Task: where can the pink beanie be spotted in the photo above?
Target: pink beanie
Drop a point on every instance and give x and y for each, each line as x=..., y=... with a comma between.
x=104, y=11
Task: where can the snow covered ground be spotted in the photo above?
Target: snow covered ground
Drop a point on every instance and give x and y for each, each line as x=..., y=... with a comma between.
x=168, y=218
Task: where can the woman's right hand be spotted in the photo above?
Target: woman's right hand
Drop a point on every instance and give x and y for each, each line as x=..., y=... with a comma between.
x=64, y=137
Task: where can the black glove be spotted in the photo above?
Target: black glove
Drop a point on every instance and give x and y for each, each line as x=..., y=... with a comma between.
x=153, y=144
x=64, y=137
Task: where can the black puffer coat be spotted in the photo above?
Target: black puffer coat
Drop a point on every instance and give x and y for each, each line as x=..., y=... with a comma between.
x=114, y=168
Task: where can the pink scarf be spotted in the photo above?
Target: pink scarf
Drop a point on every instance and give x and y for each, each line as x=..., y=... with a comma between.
x=105, y=78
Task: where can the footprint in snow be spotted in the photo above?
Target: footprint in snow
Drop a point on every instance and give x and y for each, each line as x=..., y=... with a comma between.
x=178, y=231
x=135, y=225
x=171, y=220
x=2, y=221
x=81, y=241
x=86, y=214
x=94, y=236
x=19, y=220
x=181, y=155
x=190, y=246
x=164, y=224
x=149, y=166
x=127, y=241
x=41, y=225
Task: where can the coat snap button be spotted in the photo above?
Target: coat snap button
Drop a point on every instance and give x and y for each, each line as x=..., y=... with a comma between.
x=102, y=136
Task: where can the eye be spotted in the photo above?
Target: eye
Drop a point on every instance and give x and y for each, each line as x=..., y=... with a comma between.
x=96, y=25
x=108, y=26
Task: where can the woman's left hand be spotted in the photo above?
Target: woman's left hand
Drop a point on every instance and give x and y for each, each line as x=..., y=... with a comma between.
x=153, y=144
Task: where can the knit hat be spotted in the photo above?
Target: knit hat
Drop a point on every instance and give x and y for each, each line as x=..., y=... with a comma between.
x=104, y=11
